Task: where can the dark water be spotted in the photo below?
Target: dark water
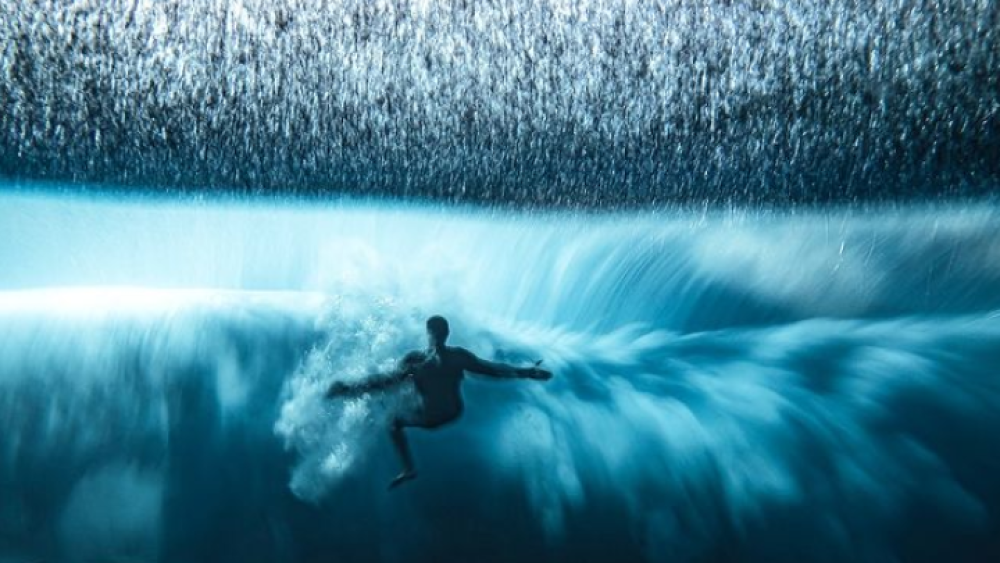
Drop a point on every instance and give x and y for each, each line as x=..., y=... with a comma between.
x=819, y=386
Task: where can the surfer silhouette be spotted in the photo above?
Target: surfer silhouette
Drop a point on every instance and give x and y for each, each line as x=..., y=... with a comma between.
x=437, y=376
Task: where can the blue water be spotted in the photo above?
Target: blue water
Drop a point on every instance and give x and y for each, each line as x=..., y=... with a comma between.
x=729, y=386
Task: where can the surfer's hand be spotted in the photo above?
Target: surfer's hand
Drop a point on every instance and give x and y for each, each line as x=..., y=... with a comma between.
x=541, y=374
x=538, y=373
x=338, y=389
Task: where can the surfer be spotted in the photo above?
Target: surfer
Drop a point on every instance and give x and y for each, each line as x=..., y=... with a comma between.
x=437, y=375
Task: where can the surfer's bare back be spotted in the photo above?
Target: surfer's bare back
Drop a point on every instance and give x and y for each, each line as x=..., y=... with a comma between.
x=437, y=375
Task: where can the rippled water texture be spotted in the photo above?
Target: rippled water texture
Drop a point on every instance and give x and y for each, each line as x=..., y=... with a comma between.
x=592, y=104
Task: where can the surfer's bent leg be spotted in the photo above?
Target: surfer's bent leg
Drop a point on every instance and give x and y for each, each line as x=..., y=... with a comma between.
x=402, y=446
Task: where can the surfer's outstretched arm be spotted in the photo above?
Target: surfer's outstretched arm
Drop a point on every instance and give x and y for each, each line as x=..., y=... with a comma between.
x=378, y=382
x=478, y=365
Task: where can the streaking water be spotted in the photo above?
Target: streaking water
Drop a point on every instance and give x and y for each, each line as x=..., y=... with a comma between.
x=815, y=386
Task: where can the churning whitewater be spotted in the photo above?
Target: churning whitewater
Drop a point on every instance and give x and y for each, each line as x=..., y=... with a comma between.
x=815, y=386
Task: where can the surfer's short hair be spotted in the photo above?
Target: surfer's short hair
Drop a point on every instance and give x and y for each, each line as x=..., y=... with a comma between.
x=438, y=326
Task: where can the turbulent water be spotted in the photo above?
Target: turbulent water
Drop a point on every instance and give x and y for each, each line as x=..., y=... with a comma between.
x=774, y=326
x=795, y=386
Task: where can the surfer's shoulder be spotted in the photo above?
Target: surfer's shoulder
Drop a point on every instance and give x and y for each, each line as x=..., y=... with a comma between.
x=413, y=357
x=461, y=353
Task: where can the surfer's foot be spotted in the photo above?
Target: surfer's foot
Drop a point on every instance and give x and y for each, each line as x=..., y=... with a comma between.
x=403, y=477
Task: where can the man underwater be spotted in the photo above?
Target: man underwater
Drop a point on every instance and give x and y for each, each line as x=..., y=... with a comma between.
x=437, y=375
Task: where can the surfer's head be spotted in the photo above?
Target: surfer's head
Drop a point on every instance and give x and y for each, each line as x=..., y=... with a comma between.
x=437, y=330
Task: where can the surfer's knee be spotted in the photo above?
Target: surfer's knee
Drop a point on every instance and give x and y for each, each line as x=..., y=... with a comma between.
x=431, y=423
